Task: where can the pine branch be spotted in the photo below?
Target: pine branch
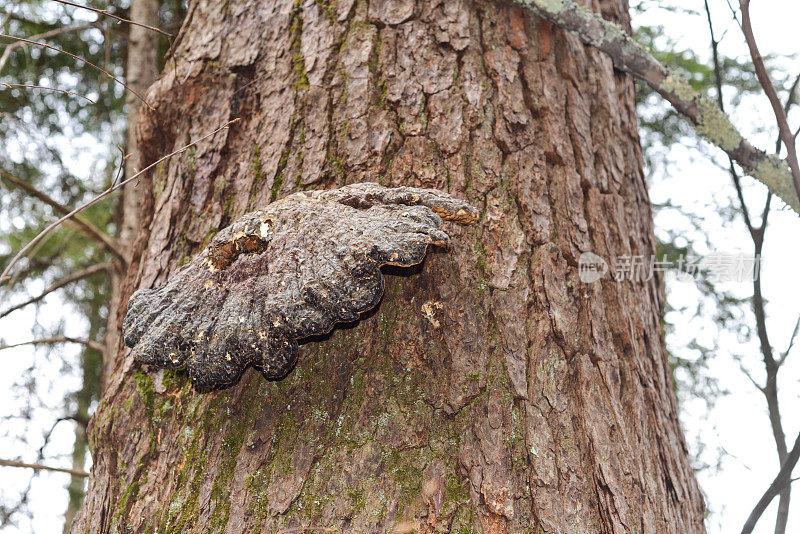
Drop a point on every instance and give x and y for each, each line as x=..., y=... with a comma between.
x=782, y=479
x=84, y=273
x=40, y=467
x=46, y=35
x=21, y=41
x=4, y=275
x=708, y=120
x=84, y=225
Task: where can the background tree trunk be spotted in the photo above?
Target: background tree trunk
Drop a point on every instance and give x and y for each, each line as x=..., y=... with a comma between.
x=140, y=72
x=490, y=391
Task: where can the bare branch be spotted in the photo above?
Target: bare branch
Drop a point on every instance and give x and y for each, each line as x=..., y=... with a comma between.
x=120, y=19
x=121, y=165
x=772, y=94
x=706, y=117
x=40, y=467
x=791, y=99
x=721, y=103
x=58, y=339
x=30, y=86
x=46, y=35
x=84, y=225
x=84, y=273
x=4, y=275
x=45, y=45
x=770, y=388
x=782, y=479
x=80, y=419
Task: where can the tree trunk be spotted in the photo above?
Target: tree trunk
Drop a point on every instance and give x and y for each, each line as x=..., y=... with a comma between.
x=140, y=72
x=491, y=390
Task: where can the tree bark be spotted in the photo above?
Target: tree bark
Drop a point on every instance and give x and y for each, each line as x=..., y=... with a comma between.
x=491, y=390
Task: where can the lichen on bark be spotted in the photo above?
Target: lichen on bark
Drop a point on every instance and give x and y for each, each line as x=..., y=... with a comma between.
x=287, y=272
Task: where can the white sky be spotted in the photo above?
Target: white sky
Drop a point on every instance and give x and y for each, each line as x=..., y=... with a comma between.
x=737, y=423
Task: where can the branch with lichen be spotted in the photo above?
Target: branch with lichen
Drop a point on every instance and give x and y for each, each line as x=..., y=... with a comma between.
x=701, y=111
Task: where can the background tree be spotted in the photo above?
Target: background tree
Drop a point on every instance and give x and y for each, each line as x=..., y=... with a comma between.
x=491, y=390
x=731, y=79
x=39, y=175
x=51, y=104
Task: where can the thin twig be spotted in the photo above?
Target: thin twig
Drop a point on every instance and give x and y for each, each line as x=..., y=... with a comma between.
x=29, y=86
x=45, y=45
x=758, y=386
x=58, y=339
x=74, y=277
x=120, y=19
x=40, y=467
x=790, y=100
x=791, y=343
x=46, y=35
x=121, y=165
x=4, y=275
x=84, y=225
x=106, y=50
x=721, y=103
x=734, y=14
x=772, y=95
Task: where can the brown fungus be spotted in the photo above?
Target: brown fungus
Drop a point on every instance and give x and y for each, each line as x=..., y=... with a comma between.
x=287, y=272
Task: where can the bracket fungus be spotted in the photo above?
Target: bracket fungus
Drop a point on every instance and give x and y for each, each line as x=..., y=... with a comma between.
x=284, y=273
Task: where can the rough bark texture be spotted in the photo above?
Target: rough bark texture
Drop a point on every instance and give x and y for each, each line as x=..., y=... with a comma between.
x=492, y=391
